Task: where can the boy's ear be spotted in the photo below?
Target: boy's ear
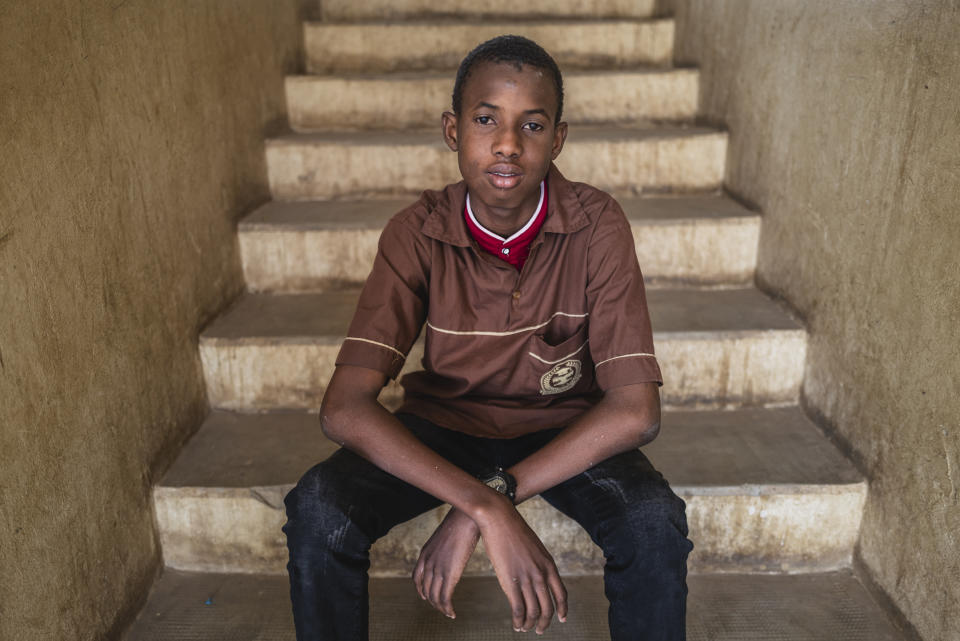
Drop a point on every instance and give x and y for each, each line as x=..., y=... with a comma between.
x=448, y=126
x=559, y=137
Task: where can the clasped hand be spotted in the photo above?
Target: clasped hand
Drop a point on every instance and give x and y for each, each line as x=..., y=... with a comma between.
x=525, y=570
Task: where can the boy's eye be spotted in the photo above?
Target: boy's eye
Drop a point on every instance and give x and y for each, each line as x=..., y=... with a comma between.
x=534, y=126
x=483, y=120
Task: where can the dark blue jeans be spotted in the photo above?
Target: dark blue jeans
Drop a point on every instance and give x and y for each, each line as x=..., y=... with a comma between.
x=344, y=504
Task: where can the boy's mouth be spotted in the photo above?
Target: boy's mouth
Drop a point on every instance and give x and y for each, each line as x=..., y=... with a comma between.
x=504, y=177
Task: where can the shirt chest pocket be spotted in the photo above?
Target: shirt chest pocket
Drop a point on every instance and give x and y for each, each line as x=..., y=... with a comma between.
x=551, y=368
x=550, y=361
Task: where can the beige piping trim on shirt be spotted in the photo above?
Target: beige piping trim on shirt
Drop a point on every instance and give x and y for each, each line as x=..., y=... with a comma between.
x=559, y=360
x=367, y=340
x=624, y=356
x=510, y=333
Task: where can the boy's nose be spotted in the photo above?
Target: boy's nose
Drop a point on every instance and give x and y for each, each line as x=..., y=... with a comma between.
x=508, y=144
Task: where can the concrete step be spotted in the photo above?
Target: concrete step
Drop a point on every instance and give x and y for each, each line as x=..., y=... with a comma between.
x=349, y=10
x=363, y=163
x=404, y=100
x=717, y=348
x=765, y=491
x=317, y=245
x=724, y=607
x=440, y=44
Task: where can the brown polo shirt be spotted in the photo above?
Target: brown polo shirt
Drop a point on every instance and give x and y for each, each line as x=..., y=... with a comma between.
x=506, y=353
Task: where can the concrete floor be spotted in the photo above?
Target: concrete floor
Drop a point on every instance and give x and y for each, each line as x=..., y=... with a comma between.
x=722, y=607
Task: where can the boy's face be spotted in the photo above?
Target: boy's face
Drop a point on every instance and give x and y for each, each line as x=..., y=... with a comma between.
x=505, y=137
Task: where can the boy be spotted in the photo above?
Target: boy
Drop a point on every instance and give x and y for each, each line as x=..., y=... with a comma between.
x=539, y=378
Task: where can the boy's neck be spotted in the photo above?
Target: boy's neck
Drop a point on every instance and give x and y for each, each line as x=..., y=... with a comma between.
x=506, y=222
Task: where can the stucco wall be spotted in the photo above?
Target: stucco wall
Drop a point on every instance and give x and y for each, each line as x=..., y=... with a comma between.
x=131, y=140
x=845, y=131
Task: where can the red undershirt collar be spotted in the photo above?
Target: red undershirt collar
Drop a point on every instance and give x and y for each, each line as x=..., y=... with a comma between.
x=516, y=248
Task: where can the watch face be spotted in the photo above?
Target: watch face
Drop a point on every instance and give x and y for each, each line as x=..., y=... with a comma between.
x=498, y=483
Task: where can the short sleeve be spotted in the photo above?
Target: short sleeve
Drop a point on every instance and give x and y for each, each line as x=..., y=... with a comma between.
x=392, y=306
x=621, y=339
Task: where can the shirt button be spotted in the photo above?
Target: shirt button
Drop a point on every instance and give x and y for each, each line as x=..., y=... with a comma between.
x=505, y=251
x=516, y=295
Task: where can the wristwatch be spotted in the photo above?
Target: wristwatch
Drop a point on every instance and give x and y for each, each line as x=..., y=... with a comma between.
x=502, y=481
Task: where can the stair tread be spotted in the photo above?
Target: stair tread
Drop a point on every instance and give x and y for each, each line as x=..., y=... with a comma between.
x=431, y=137
x=721, y=607
x=517, y=21
x=500, y=9
x=625, y=159
x=374, y=214
x=375, y=99
x=432, y=74
x=715, y=452
x=325, y=316
x=582, y=42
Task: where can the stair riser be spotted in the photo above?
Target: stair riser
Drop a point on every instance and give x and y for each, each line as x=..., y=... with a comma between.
x=325, y=103
x=730, y=370
x=692, y=163
x=391, y=10
x=306, y=260
x=317, y=169
x=233, y=530
x=375, y=47
x=702, y=370
x=698, y=252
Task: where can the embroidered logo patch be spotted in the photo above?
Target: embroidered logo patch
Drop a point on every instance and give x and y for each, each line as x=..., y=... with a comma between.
x=561, y=378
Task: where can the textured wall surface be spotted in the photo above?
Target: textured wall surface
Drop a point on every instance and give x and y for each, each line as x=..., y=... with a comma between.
x=845, y=130
x=131, y=140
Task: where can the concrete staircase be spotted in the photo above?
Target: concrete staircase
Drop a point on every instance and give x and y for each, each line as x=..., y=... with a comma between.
x=766, y=492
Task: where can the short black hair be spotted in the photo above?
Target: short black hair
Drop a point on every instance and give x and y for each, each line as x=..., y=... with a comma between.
x=510, y=49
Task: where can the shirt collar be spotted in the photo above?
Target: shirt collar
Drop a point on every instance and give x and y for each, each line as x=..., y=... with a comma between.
x=565, y=214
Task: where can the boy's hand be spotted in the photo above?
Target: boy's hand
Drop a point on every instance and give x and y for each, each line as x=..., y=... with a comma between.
x=525, y=570
x=443, y=558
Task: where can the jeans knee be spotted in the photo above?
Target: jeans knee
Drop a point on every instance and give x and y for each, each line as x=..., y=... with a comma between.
x=663, y=510
x=320, y=516
x=652, y=527
x=661, y=514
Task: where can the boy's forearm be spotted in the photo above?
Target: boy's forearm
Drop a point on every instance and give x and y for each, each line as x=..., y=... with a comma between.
x=352, y=416
x=626, y=418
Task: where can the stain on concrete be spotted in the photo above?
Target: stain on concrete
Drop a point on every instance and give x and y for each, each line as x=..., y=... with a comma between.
x=949, y=454
x=272, y=497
